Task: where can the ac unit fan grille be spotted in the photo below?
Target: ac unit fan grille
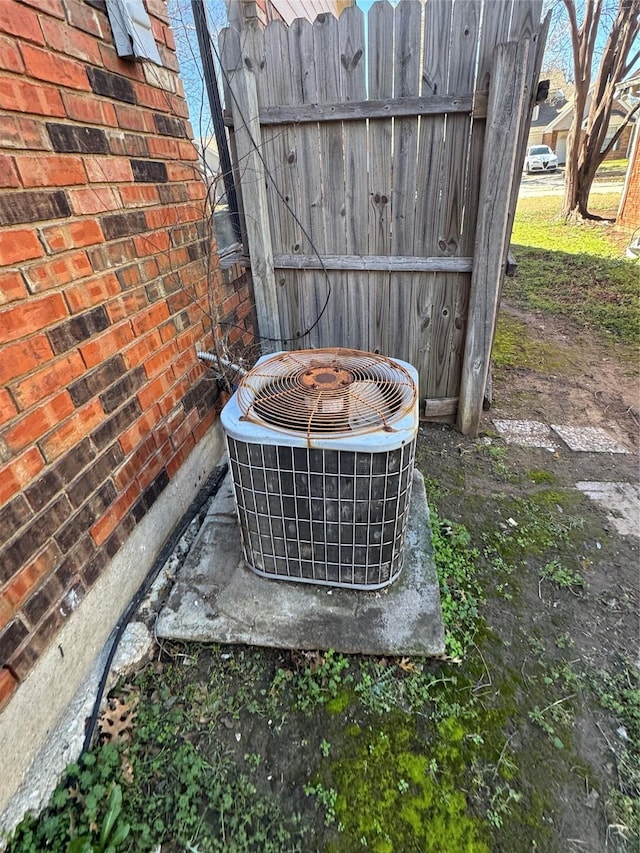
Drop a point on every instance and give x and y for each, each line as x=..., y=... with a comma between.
x=323, y=516
x=327, y=392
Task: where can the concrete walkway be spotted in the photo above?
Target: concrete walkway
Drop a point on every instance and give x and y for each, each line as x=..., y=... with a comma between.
x=620, y=500
x=217, y=599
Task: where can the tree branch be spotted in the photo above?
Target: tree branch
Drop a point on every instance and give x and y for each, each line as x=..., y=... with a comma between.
x=575, y=39
x=616, y=136
x=588, y=133
x=631, y=62
x=593, y=33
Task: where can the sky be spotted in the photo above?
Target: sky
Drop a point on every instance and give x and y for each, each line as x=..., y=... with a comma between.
x=558, y=48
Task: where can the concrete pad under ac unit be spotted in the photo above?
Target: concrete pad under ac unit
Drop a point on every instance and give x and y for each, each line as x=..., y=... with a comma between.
x=216, y=598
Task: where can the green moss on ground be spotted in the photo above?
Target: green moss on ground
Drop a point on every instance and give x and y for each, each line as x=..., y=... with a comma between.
x=513, y=347
x=391, y=796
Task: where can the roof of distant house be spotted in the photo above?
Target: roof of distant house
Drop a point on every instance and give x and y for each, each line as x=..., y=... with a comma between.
x=562, y=120
x=545, y=113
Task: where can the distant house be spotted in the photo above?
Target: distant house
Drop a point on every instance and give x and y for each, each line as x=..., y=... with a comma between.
x=543, y=115
x=285, y=10
x=629, y=210
x=555, y=133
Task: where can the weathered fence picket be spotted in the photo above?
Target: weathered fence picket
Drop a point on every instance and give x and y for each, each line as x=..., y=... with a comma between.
x=381, y=181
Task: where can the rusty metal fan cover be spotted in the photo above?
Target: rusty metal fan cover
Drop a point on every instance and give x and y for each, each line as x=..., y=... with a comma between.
x=327, y=392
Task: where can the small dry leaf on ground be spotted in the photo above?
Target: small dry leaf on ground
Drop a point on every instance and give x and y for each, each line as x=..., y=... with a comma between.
x=116, y=721
x=127, y=769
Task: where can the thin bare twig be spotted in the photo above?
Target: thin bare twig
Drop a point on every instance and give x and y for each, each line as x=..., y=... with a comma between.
x=558, y=702
x=503, y=751
x=486, y=669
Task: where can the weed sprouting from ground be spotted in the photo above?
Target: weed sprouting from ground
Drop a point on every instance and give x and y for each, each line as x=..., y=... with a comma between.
x=318, y=681
x=564, y=578
x=460, y=592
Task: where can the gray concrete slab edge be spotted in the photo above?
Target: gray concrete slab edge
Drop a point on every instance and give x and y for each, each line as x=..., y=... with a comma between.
x=216, y=598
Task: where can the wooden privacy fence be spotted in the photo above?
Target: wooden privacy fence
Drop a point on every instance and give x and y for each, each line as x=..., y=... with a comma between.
x=379, y=163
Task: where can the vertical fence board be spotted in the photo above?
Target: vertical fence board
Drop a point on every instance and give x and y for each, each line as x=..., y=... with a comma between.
x=441, y=329
x=353, y=87
x=380, y=171
x=406, y=84
x=525, y=20
x=458, y=333
x=244, y=98
x=465, y=26
x=431, y=170
x=332, y=326
x=326, y=61
x=495, y=30
x=279, y=145
x=457, y=234
x=429, y=223
x=407, y=29
x=504, y=122
x=307, y=164
x=424, y=292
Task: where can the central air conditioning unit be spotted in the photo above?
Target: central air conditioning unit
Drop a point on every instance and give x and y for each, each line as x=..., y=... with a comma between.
x=321, y=446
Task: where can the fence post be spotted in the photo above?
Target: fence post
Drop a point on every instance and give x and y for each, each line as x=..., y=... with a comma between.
x=246, y=124
x=505, y=116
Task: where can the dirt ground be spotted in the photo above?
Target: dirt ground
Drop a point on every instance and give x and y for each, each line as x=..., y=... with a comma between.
x=592, y=385
x=533, y=728
x=531, y=743
x=527, y=738
x=593, y=629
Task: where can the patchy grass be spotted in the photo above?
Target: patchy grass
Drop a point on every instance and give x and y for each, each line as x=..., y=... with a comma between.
x=514, y=348
x=615, y=166
x=538, y=224
x=575, y=270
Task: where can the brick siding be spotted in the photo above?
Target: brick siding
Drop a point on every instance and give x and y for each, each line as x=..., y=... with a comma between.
x=629, y=213
x=105, y=270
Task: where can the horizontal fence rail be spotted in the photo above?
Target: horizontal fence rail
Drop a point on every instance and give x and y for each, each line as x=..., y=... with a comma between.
x=356, y=111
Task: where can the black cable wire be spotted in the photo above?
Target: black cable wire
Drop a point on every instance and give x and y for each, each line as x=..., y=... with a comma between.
x=208, y=490
x=282, y=198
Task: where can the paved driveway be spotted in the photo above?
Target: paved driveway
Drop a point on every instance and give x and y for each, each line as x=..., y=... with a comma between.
x=552, y=183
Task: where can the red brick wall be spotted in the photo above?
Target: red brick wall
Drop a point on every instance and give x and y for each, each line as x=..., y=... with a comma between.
x=629, y=214
x=103, y=281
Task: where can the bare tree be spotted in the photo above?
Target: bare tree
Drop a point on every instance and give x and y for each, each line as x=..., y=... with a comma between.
x=593, y=104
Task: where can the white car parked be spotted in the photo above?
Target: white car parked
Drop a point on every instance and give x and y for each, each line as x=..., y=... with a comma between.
x=540, y=158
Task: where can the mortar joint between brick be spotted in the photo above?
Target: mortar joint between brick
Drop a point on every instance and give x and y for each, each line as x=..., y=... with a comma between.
x=43, y=243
